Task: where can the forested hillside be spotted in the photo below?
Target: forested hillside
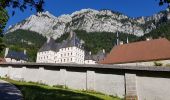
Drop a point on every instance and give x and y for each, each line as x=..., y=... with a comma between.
x=161, y=31
x=25, y=39
x=96, y=41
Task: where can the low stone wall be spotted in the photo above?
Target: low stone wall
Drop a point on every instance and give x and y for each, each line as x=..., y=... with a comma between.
x=131, y=82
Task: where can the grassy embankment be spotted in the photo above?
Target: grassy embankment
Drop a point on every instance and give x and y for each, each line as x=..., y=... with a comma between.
x=36, y=91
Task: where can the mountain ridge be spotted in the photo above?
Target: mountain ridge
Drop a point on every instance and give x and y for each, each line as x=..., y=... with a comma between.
x=89, y=20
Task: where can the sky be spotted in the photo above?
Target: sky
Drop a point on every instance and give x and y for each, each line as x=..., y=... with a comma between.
x=131, y=8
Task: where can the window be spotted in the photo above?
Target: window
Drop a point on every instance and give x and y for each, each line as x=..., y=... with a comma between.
x=68, y=54
x=64, y=60
x=71, y=53
x=61, y=55
x=71, y=59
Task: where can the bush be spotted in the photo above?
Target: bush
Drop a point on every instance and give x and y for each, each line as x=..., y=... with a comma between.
x=167, y=65
x=60, y=86
x=158, y=64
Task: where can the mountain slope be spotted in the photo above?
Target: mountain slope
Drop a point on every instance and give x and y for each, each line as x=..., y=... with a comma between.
x=96, y=41
x=162, y=31
x=24, y=39
x=89, y=20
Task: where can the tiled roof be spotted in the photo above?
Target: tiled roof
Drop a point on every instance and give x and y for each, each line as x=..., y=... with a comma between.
x=158, y=49
x=17, y=55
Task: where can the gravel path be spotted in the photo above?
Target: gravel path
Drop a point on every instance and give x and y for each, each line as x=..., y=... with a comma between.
x=9, y=91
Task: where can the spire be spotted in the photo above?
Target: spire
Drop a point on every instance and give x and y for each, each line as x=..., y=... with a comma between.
x=48, y=39
x=117, y=36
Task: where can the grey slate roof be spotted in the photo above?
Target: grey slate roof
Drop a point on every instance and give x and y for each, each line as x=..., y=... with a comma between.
x=99, y=56
x=49, y=45
x=88, y=56
x=73, y=40
x=17, y=55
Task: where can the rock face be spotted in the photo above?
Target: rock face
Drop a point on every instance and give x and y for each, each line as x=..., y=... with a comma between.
x=89, y=20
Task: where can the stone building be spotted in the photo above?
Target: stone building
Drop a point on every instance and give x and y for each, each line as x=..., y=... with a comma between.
x=89, y=59
x=146, y=53
x=69, y=51
x=15, y=56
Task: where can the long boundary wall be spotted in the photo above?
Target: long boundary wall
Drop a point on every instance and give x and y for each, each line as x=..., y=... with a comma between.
x=130, y=82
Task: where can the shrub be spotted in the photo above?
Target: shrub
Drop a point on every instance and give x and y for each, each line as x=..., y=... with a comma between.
x=158, y=64
x=167, y=65
x=60, y=86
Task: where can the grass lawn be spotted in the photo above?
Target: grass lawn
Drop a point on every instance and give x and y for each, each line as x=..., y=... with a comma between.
x=34, y=91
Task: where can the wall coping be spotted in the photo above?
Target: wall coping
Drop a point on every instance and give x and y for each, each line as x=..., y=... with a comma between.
x=89, y=66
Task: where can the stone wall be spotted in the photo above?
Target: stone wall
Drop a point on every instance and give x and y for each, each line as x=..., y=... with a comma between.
x=149, y=63
x=133, y=83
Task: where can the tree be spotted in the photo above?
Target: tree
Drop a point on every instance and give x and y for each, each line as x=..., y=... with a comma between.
x=22, y=5
x=162, y=2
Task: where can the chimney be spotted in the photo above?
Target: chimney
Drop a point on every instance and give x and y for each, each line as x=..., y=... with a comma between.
x=148, y=39
x=48, y=39
x=121, y=42
x=71, y=34
x=127, y=41
x=25, y=51
x=103, y=50
x=117, y=36
x=90, y=52
x=6, y=51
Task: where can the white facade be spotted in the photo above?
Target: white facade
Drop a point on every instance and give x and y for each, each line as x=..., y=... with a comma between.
x=10, y=60
x=70, y=55
x=46, y=57
x=147, y=63
x=64, y=55
x=69, y=51
x=89, y=62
